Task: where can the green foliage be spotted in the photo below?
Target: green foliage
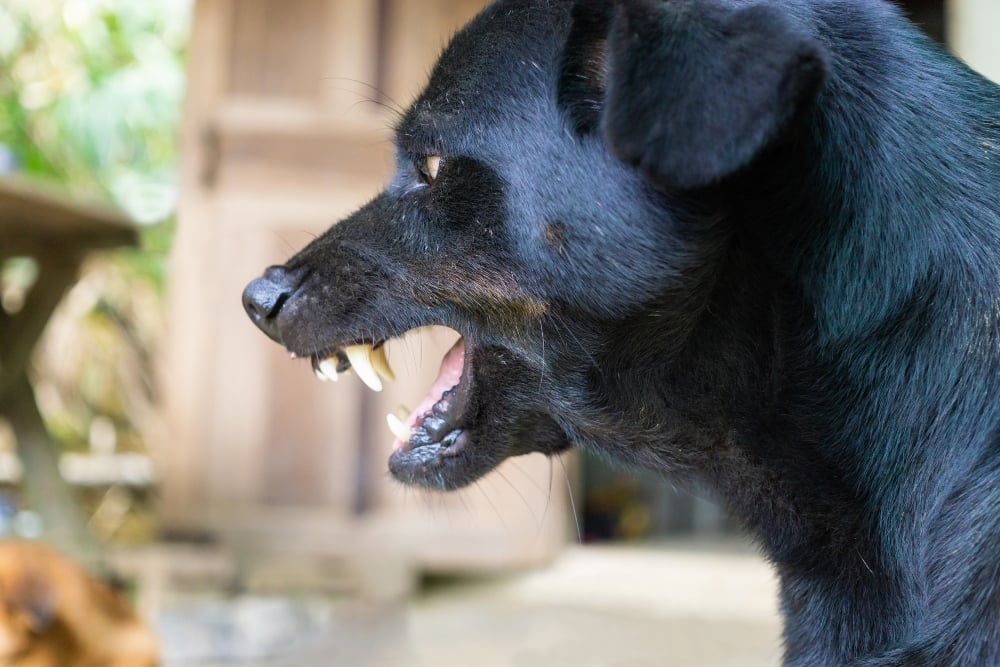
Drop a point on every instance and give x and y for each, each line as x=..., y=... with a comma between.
x=90, y=96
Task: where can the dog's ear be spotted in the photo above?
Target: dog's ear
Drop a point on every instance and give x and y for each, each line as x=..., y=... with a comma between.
x=698, y=89
x=585, y=70
x=687, y=90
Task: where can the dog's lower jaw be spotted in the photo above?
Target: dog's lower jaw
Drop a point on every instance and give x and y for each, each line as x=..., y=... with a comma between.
x=443, y=466
x=494, y=412
x=457, y=462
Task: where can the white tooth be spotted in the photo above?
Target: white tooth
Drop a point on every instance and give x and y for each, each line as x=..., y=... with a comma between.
x=398, y=428
x=381, y=364
x=433, y=165
x=328, y=369
x=360, y=357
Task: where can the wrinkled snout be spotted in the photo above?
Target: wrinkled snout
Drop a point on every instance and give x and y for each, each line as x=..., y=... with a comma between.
x=264, y=297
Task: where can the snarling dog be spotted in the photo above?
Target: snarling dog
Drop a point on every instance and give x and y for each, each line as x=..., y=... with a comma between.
x=54, y=614
x=751, y=243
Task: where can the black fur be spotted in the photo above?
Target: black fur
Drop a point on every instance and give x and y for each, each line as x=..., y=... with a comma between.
x=751, y=243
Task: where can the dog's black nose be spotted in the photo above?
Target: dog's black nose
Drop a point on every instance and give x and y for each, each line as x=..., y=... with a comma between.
x=264, y=297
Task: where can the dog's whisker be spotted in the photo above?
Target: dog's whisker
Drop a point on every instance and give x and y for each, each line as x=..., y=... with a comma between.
x=548, y=496
x=518, y=493
x=572, y=501
x=496, y=511
x=541, y=370
x=389, y=102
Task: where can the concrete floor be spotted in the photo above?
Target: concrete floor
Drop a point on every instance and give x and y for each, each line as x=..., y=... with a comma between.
x=595, y=607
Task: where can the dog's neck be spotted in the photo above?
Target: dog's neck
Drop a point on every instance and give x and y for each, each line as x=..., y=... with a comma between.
x=816, y=299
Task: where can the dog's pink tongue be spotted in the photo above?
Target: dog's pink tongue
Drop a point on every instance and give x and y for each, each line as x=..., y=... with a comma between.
x=448, y=377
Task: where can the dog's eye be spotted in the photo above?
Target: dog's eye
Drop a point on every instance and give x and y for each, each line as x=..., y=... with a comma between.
x=429, y=167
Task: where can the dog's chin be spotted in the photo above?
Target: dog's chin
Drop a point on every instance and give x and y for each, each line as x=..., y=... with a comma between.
x=467, y=454
x=442, y=466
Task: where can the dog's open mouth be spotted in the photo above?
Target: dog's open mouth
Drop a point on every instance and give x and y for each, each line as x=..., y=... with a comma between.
x=431, y=433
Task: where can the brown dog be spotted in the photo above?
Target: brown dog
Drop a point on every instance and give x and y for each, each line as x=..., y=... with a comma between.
x=54, y=614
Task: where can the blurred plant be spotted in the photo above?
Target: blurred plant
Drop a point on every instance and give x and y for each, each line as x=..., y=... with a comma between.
x=90, y=98
x=90, y=95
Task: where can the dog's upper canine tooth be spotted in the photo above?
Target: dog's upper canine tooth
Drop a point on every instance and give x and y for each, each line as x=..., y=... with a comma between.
x=381, y=364
x=360, y=357
x=398, y=428
x=327, y=369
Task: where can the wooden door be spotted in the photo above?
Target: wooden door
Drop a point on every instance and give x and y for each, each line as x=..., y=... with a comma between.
x=281, y=138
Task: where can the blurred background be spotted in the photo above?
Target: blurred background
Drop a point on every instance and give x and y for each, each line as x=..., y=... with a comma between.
x=154, y=156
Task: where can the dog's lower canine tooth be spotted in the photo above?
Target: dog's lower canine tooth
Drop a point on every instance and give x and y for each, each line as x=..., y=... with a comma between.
x=398, y=428
x=381, y=364
x=328, y=369
x=360, y=357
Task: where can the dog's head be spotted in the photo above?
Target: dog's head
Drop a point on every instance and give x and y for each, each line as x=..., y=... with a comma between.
x=541, y=208
x=54, y=614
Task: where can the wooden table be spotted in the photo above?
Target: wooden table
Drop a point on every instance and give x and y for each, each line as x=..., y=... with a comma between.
x=56, y=233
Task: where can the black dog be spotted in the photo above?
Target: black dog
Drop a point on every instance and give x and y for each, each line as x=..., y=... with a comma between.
x=755, y=243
